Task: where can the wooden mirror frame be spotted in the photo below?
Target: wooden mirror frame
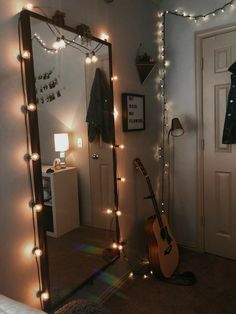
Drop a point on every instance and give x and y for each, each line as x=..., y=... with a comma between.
x=35, y=165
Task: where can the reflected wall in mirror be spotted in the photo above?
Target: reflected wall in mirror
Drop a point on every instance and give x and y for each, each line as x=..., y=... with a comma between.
x=75, y=121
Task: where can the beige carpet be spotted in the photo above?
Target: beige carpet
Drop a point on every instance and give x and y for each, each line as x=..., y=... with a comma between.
x=214, y=292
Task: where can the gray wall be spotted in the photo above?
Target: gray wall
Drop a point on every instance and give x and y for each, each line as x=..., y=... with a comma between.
x=128, y=23
x=181, y=95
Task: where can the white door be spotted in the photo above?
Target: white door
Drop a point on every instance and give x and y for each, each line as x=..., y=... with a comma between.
x=219, y=52
x=101, y=162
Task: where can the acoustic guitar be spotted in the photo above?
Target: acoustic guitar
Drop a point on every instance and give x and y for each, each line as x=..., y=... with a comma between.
x=162, y=248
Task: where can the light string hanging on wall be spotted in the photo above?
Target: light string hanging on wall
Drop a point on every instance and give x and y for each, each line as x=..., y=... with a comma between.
x=62, y=42
x=162, y=97
x=31, y=157
x=162, y=75
x=164, y=64
x=90, y=54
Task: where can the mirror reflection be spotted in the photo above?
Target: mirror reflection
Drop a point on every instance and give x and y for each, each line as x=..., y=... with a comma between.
x=76, y=127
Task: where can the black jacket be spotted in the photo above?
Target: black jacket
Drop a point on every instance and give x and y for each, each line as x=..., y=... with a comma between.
x=100, y=111
x=229, y=132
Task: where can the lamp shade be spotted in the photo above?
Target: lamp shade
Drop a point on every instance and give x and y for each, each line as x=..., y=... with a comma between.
x=61, y=142
x=176, y=127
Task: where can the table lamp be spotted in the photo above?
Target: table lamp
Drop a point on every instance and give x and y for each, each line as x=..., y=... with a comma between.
x=61, y=143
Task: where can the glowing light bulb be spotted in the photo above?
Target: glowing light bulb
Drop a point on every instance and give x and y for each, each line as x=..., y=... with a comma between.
x=116, y=113
x=94, y=58
x=120, y=247
x=222, y=10
x=118, y=213
x=31, y=107
x=104, y=36
x=28, y=6
x=121, y=146
x=25, y=55
x=151, y=272
x=213, y=14
x=109, y=211
x=114, y=245
x=167, y=63
x=59, y=43
x=122, y=179
x=38, y=207
x=131, y=275
x=145, y=276
x=114, y=78
x=37, y=252
x=35, y=156
x=88, y=59
x=44, y=296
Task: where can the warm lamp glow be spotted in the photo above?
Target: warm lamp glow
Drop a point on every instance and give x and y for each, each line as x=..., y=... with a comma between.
x=61, y=142
x=45, y=296
x=114, y=78
x=25, y=55
x=120, y=247
x=37, y=252
x=31, y=107
x=104, y=36
x=116, y=113
x=38, y=207
x=94, y=58
x=114, y=245
x=88, y=59
x=35, y=156
x=28, y=6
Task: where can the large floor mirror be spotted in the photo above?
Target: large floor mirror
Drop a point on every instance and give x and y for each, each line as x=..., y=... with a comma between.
x=73, y=93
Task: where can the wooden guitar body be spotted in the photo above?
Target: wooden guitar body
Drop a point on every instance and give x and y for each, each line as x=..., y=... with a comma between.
x=163, y=250
x=162, y=247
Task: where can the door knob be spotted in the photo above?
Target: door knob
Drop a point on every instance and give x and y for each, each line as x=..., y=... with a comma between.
x=95, y=156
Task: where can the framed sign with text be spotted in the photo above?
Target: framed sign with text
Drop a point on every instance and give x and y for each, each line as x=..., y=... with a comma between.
x=133, y=112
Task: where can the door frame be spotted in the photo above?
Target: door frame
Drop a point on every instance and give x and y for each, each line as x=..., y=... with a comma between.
x=199, y=37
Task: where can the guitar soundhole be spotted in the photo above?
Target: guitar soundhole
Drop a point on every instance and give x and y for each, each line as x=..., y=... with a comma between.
x=168, y=250
x=163, y=233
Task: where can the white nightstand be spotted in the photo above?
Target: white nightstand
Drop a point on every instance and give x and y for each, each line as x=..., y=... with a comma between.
x=63, y=204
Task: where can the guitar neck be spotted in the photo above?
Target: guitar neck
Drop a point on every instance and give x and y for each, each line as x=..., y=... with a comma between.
x=154, y=201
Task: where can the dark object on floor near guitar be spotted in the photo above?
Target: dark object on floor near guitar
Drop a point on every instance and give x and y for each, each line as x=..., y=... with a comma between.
x=162, y=248
x=186, y=278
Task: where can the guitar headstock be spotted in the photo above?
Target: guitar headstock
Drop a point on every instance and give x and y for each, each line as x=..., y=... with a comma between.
x=138, y=164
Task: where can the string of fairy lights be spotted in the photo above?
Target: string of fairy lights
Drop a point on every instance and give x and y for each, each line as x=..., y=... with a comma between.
x=145, y=271
x=34, y=157
x=30, y=107
x=163, y=66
